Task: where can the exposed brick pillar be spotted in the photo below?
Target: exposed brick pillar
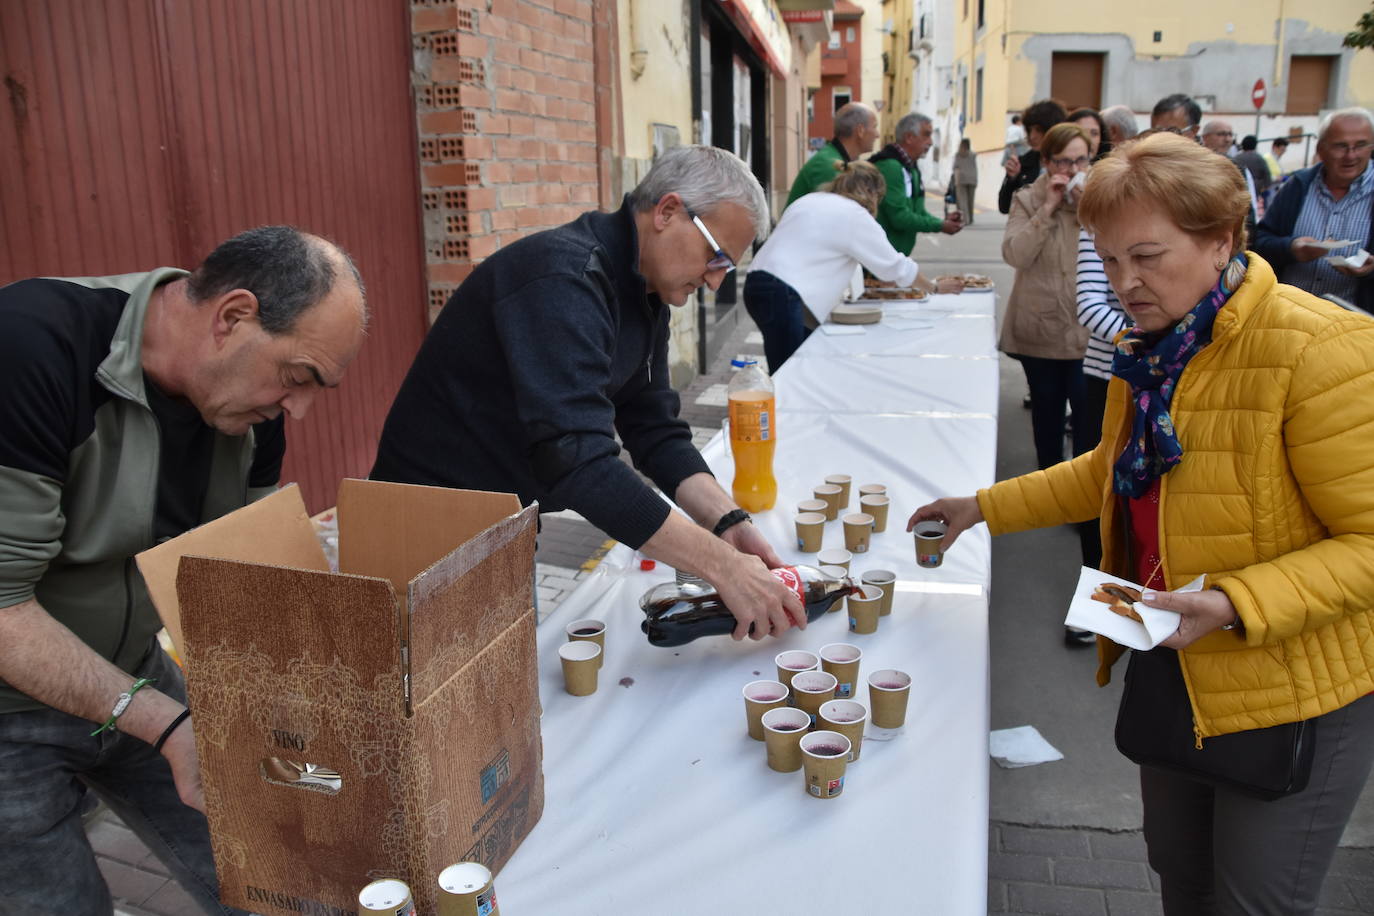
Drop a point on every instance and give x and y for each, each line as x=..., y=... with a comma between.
x=505, y=106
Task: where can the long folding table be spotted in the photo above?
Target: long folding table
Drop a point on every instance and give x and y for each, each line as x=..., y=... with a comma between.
x=657, y=801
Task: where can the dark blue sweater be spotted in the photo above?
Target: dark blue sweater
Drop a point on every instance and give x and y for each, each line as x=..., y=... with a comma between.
x=1274, y=235
x=548, y=349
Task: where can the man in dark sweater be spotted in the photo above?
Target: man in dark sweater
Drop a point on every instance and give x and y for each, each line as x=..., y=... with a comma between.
x=558, y=342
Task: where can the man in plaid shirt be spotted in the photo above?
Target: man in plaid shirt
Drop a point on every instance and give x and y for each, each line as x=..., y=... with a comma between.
x=1329, y=201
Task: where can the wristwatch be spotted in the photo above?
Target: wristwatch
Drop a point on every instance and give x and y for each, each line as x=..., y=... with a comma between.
x=730, y=520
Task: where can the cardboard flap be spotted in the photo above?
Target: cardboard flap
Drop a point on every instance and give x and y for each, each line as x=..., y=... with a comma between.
x=290, y=617
x=275, y=529
x=394, y=530
x=469, y=598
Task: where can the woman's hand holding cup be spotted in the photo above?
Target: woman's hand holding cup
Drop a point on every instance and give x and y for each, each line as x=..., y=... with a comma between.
x=959, y=513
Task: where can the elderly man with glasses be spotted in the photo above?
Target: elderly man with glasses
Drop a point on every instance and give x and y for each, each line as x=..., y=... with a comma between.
x=559, y=342
x=1326, y=203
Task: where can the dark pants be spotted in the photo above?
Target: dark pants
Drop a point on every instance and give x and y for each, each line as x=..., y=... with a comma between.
x=1089, y=425
x=47, y=865
x=778, y=311
x=1053, y=384
x=1222, y=852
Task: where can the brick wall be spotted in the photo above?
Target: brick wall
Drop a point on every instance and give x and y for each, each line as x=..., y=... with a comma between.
x=507, y=123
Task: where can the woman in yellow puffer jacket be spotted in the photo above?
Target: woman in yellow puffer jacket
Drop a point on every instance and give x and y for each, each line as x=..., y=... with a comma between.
x=1238, y=444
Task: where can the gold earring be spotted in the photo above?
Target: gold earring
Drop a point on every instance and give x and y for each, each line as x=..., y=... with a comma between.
x=1221, y=265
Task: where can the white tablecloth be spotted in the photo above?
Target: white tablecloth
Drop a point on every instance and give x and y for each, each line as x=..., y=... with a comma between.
x=657, y=802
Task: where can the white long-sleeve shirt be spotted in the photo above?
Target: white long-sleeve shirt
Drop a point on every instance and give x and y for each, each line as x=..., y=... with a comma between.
x=817, y=243
x=1098, y=309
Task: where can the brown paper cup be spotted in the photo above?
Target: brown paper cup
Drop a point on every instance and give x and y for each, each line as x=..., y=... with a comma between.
x=824, y=758
x=581, y=661
x=847, y=717
x=759, y=698
x=928, y=535
x=872, y=489
x=835, y=556
x=813, y=505
x=810, y=531
x=387, y=895
x=782, y=733
x=858, y=532
x=842, y=660
x=831, y=494
x=888, y=691
x=885, y=580
x=589, y=630
x=810, y=689
x=865, y=609
x=791, y=662
x=876, y=506
x=466, y=889
x=842, y=481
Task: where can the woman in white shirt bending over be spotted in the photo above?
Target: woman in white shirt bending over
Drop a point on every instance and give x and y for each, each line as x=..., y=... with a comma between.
x=803, y=269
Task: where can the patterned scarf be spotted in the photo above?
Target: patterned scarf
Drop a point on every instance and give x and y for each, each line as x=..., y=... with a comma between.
x=1152, y=368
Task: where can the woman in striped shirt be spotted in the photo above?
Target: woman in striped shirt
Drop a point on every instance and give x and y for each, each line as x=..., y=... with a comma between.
x=1102, y=315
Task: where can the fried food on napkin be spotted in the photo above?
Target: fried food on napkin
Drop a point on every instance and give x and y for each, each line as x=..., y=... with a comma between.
x=1119, y=599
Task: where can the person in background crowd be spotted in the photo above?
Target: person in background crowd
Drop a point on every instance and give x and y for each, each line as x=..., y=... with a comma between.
x=1121, y=124
x=1177, y=114
x=1328, y=201
x=801, y=272
x=1273, y=160
x=1099, y=144
x=1038, y=119
x=1238, y=445
x=136, y=407
x=1041, y=327
x=1016, y=145
x=965, y=179
x=1217, y=136
x=1249, y=159
x=557, y=345
x=856, y=130
x=903, y=212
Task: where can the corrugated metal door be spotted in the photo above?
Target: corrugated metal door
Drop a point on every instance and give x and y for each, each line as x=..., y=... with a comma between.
x=136, y=133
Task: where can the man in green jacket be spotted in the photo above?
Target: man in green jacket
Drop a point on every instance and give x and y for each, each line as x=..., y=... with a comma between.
x=902, y=213
x=856, y=129
x=136, y=407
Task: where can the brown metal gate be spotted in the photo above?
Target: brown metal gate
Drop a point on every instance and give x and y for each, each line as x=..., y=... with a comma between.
x=138, y=133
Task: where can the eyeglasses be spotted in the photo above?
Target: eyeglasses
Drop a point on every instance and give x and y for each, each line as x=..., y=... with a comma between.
x=1345, y=149
x=721, y=261
x=1081, y=162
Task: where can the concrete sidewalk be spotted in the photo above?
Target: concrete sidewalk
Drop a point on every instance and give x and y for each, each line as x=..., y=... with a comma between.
x=1064, y=838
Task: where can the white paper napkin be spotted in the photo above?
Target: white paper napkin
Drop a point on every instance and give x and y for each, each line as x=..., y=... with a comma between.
x=1087, y=614
x=1355, y=261
x=1020, y=747
x=907, y=324
x=840, y=330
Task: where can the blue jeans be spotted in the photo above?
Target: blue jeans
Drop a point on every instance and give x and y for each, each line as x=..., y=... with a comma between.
x=777, y=310
x=47, y=865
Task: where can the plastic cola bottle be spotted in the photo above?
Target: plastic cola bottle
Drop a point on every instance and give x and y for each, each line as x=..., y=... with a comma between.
x=675, y=613
x=753, y=435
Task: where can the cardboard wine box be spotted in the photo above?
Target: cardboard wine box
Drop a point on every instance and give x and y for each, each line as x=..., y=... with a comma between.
x=381, y=721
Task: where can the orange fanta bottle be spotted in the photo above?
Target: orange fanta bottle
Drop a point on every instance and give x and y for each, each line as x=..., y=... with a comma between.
x=753, y=435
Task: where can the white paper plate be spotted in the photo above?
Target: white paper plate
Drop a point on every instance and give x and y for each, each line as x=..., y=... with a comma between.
x=856, y=314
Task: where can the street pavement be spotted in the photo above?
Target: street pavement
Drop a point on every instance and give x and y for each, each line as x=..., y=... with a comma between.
x=1064, y=837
